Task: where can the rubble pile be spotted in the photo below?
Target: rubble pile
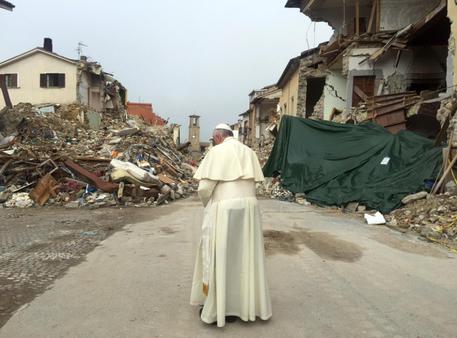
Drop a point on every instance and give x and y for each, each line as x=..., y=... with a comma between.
x=272, y=187
x=434, y=218
x=263, y=151
x=68, y=155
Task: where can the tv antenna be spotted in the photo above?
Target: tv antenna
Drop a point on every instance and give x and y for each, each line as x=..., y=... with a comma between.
x=80, y=49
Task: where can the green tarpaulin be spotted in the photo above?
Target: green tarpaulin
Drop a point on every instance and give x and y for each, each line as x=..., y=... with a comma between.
x=335, y=164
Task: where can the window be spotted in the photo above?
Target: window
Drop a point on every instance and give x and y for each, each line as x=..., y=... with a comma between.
x=52, y=80
x=10, y=80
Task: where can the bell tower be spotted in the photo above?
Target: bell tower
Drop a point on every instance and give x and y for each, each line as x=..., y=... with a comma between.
x=194, y=133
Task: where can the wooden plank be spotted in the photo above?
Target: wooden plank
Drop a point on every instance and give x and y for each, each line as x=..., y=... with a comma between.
x=378, y=15
x=363, y=87
x=373, y=12
x=360, y=93
x=45, y=188
x=446, y=173
x=94, y=179
x=357, y=17
x=6, y=96
x=397, y=61
x=385, y=104
x=390, y=97
x=308, y=6
x=166, y=179
x=5, y=166
x=392, y=119
x=392, y=108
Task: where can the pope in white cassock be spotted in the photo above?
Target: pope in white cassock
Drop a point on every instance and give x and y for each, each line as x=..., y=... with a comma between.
x=229, y=277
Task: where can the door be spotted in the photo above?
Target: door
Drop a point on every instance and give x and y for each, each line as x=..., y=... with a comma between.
x=362, y=89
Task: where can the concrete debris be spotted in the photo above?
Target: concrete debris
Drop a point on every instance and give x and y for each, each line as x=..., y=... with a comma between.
x=59, y=155
x=414, y=197
x=434, y=218
x=20, y=200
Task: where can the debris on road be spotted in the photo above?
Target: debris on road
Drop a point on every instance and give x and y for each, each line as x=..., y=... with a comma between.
x=434, y=218
x=54, y=155
x=376, y=219
x=414, y=197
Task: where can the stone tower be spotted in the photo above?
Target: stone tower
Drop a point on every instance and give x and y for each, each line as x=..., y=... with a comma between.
x=194, y=133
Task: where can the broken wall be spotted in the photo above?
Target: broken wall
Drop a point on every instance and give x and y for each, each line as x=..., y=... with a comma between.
x=338, y=17
x=266, y=110
x=398, y=14
x=417, y=68
x=335, y=93
x=91, y=91
x=395, y=14
x=305, y=74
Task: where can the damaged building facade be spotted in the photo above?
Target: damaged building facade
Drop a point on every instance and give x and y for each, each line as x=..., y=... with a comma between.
x=302, y=83
x=397, y=51
x=263, y=106
x=40, y=76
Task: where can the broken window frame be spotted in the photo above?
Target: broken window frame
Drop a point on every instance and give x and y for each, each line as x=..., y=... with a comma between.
x=52, y=80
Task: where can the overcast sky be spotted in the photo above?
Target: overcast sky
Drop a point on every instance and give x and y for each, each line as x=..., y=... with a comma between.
x=183, y=56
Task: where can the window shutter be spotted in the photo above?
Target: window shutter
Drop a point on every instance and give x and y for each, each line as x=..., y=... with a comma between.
x=14, y=80
x=61, y=80
x=43, y=81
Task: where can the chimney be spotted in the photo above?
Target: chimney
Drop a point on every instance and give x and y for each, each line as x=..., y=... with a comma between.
x=47, y=44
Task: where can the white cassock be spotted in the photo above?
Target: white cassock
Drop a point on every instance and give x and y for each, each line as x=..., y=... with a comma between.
x=229, y=277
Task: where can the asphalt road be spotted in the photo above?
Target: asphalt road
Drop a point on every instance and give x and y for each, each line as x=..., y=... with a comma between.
x=330, y=276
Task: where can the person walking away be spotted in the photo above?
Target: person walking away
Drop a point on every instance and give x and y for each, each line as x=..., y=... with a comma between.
x=229, y=277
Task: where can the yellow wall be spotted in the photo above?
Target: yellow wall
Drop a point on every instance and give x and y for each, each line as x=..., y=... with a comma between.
x=28, y=72
x=452, y=14
x=290, y=96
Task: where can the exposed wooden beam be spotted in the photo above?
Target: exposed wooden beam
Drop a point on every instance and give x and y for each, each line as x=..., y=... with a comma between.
x=310, y=3
x=378, y=15
x=4, y=88
x=359, y=92
x=357, y=17
x=372, y=15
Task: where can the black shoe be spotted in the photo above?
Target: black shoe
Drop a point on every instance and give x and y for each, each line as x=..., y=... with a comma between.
x=231, y=319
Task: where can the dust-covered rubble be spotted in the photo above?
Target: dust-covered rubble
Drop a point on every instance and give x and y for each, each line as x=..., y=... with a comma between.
x=68, y=155
x=433, y=218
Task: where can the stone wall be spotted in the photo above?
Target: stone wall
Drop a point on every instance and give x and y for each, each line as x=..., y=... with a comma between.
x=305, y=72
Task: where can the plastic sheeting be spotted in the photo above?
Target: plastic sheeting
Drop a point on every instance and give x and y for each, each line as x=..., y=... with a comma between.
x=335, y=164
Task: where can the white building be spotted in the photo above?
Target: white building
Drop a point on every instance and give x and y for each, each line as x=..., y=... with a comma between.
x=41, y=76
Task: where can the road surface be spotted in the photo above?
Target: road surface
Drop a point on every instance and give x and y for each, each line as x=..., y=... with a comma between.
x=330, y=276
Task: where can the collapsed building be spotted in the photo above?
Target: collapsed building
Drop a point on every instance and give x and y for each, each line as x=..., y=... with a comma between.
x=262, y=109
x=386, y=56
x=66, y=139
x=388, y=62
